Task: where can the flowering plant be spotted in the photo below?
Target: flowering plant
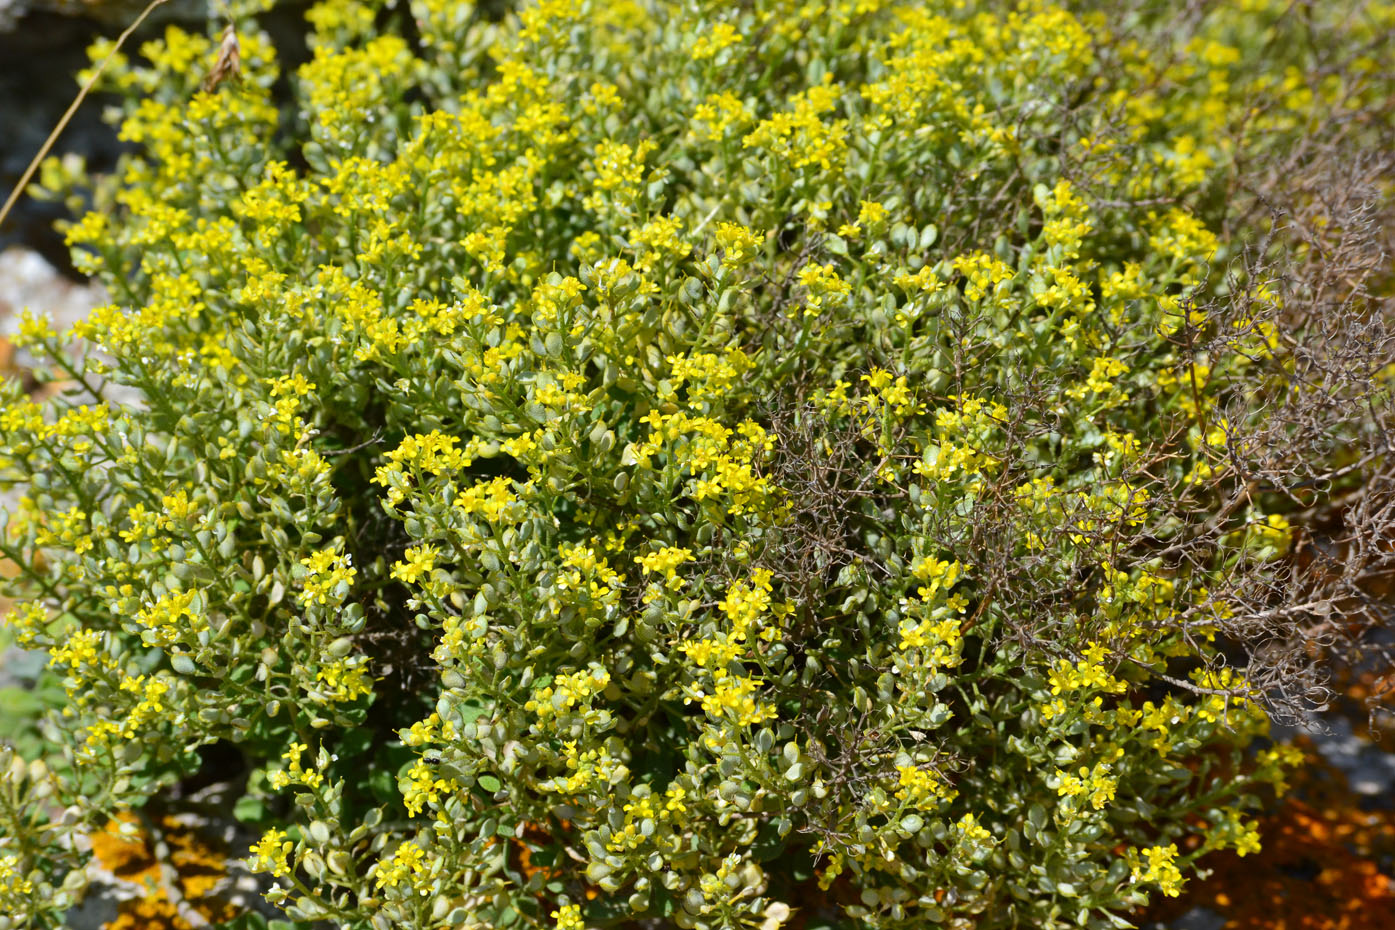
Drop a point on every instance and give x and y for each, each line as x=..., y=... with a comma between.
x=696, y=462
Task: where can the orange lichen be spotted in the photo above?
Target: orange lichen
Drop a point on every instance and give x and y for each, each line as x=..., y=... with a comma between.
x=199, y=865
x=155, y=913
x=1319, y=869
x=128, y=857
x=537, y=837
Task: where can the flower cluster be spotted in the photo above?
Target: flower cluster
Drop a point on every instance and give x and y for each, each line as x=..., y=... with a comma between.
x=630, y=440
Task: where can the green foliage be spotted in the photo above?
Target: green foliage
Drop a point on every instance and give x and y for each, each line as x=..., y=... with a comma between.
x=684, y=461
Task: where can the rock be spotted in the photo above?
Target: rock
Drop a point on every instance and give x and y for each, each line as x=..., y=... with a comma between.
x=36, y=86
x=118, y=13
x=43, y=45
x=28, y=281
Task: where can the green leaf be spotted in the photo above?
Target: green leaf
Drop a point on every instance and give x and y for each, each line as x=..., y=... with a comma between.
x=470, y=711
x=249, y=809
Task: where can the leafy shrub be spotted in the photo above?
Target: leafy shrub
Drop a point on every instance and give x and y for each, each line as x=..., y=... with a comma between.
x=695, y=462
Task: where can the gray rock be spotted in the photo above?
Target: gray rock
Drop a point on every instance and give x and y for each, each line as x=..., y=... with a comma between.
x=29, y=282
x=1370, y=769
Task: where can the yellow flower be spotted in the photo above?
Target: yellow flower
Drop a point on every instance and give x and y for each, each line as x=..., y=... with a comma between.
x=738, y=244
x=1157, y=865
x=722, y=35
x=419, y=561
x=568, y=917
x=922, y=788
x=270, y=852
x=665, y=562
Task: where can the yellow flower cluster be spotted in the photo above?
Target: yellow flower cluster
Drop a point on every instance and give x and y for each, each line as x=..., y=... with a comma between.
x=721, y=462
x=270, y=852
x=732, y=693
x=328, y=576
x=408, y=863
x=568, y=917
x=922, y=788
x=295, y=773
x=418, y=562
x=1094, y=784
x=1157, y=865
x=665, y=563
x=559, y=701
x=803, y=136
